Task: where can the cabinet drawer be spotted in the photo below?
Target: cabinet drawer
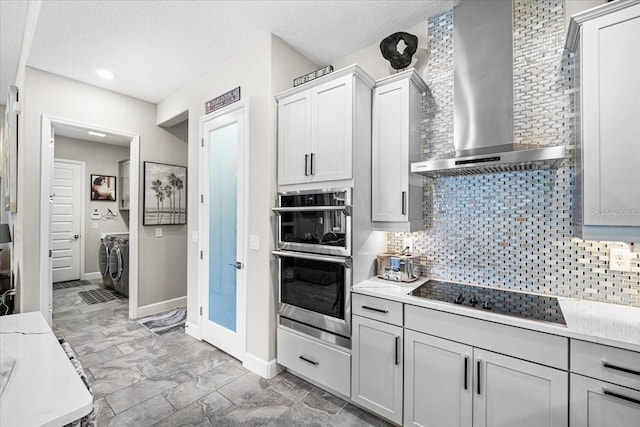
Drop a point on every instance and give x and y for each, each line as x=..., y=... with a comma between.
x=377, y=309
x=325, y=365
x=538, y=347
x=606, y=363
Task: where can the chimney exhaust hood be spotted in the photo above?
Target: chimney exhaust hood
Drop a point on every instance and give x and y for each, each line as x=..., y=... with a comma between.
x=483, y=97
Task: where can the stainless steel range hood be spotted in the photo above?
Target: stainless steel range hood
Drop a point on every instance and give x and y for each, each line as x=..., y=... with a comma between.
x=483, y=97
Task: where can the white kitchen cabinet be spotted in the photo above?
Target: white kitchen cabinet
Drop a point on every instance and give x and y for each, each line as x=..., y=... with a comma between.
x=605, y=386
x=605, y=42
x=124, y=185
x=452, y=384
x=461, y=371
x=438, y=381
x=597, y=403
x=315, y=361
x=376, y=372
x=319, y=126
x=514, y=392
x=396, y=123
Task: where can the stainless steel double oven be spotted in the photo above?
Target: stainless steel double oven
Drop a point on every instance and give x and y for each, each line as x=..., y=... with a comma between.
x=314, y=263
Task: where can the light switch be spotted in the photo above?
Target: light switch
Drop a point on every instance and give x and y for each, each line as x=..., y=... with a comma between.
x=94, y=224
x=158, y=231
x=195, y=237
x=254, y=242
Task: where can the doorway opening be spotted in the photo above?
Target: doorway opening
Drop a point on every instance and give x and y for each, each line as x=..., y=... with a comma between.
x=89, y=192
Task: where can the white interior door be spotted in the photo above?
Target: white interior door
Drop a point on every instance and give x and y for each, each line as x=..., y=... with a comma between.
x=65, y=220
x=223, y=229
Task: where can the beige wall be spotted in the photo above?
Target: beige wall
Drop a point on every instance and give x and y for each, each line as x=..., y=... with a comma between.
x=255, y=71
x=162, y=261
x=100, y=159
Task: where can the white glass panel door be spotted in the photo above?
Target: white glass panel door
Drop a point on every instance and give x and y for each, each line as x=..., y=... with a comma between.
x=222, y=228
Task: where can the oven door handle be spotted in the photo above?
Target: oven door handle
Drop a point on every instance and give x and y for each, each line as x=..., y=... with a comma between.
x=345, y=209
x=347, y=262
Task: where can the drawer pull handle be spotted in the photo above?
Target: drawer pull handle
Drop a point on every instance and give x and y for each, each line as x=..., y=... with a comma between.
x=313, y=362
x=397, y=349
x=620, y=368
x=466, y=372
x=404, y=203
x=621, y=396
x=379, y=310
x=478, y=376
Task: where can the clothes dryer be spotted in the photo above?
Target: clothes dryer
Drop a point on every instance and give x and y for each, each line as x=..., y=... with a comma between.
x=119, y=265
x=106, y=243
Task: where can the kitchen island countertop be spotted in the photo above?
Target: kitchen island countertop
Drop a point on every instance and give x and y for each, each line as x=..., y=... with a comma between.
x=608, y=324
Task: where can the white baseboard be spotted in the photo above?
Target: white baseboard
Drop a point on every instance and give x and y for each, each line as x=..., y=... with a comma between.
x=159, y=307
x=92, y=276
x=264, y=368
x=192, y=330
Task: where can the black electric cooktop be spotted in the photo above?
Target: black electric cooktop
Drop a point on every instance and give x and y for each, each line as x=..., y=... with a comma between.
x=528, y=306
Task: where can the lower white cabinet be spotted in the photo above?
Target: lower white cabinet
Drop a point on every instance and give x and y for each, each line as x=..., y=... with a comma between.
x=597, y=403
x=513, y=392
x=376, y=372
x=315, y=361
x=438, y=381
x=452, y=384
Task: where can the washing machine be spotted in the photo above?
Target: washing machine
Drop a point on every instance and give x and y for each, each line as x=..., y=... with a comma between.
x=119, y=264
x=106, y=243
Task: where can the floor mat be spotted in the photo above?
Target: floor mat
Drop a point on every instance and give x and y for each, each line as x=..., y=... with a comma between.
x=166, y=322
x=95, y=296
x=70, y=284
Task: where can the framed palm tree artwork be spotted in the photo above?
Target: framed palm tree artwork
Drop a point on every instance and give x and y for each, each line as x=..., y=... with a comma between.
x=165, y=194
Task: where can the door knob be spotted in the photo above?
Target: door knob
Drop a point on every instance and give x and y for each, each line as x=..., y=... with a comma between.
x=237, y=265
x=76, y=236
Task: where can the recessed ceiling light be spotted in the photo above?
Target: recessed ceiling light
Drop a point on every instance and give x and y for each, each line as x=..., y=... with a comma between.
x=105, y=74
x=101, y=135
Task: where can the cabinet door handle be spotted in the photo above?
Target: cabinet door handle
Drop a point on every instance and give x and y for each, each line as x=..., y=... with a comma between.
x=379, y=310
x=306, y=165
x=313, y=362
x=620, y=396
x=478, y=376
x=620, y=368
x=313, y=172
x=466, y=372
x=397, y=349
x=404, y=203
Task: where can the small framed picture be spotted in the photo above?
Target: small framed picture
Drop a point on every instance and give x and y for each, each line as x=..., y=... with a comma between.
x=103, y=188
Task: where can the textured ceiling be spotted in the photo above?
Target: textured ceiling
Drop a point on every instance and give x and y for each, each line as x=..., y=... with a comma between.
x=157, y=47
x=12, y=15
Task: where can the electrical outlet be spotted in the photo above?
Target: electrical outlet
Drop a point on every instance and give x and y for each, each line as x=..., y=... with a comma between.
x=620, y=259
x=407, y=244
x=158, y=231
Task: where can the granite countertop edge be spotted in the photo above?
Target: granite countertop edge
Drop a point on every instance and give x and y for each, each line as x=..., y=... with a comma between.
x=602, y=323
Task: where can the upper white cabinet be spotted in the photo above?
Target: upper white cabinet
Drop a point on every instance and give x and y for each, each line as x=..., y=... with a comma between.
x=319, y=124
x=397, y=193
x=125, y=182
x=605, y=42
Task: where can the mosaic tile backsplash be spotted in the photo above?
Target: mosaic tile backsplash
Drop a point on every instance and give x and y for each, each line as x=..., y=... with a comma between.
x=513, y=230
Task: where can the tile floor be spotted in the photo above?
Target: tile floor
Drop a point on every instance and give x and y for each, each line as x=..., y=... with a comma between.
x=140, y=379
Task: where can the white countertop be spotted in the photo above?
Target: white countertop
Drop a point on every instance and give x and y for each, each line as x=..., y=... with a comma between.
x=43, y=388
x=608, y=324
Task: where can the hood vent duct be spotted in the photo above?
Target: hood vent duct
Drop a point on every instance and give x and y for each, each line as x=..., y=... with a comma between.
x=483, y=97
